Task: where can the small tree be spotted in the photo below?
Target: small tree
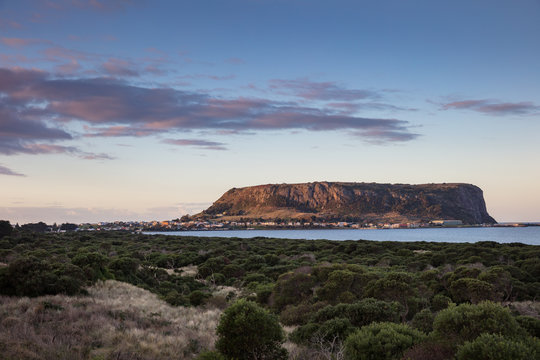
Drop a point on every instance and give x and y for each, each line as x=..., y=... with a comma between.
x=247, y=331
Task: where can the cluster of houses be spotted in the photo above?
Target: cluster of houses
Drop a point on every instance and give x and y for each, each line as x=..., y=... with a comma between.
x=178, y=225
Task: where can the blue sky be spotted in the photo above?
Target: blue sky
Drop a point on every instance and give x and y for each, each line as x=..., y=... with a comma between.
x=152, y=109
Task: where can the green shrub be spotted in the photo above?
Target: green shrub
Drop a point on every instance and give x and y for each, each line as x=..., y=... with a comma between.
x=381, y=341
x=327, y=332
x=5, y=228
x=292, y=289
x=530, y=324
x=264, y=292
x=338, y=282
x=210, y=355
x=440, y=302
x=247, y=331
x=216, y=279
x=300, y=315
x=497, y=347
x=466, y=322
x=473, y=290
x=430, y=350
x=423, y=321
x=198, y=297
x=361, y=313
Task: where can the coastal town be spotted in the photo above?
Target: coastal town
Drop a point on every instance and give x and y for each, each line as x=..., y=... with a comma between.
x=217, y=225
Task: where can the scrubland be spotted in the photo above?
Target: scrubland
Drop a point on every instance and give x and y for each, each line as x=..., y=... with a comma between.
x=113, y=295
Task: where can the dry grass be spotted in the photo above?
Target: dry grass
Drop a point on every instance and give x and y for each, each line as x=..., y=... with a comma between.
x=528, y=308
x=190, y=270
x=117, y=321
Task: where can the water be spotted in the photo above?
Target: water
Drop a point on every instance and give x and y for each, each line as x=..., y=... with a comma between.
x=526, y=235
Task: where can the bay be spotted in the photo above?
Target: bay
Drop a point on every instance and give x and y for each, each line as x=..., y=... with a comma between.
x=526, y=235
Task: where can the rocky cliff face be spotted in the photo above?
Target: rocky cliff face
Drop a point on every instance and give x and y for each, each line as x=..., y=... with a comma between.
x=355, y=201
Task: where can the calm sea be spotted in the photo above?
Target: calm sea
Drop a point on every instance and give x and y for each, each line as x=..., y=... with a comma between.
x=526, y=235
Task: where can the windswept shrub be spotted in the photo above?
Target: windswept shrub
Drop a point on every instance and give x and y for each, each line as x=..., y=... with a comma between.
x=264, y=292
x=198, y=297
x=300, y=315
x=473, y=290
x=247, y=331
x=440, y=302
x=211, y=355
x=5, y=228
x=423, y=321
x=429, y=350
x=465, y=322
x=328, y=332
x=530, y=324
x=93, y=264
x=502, y=282
x=292, y=289
x=338, y=282
x=381, y=341
x=30, y=276
x=124, y=268
x=497, y=347
x=361, y=313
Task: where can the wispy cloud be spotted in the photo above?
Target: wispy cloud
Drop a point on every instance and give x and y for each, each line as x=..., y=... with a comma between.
x=235, y=61
x=209, y=145
x=5, y=171
x=119, y=67
x=206, y=76
x=59, y=54
x=22, y=42
x=97, y=5
x=353, y=107
x=327, y=91
x=9, y=24
x=61, y=214
x=493, y=107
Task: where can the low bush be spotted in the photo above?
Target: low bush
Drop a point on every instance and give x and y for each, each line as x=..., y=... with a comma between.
x=381, y=341
x=497, y=347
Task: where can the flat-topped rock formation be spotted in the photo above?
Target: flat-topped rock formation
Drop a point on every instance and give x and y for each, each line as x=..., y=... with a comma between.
x=367, y=202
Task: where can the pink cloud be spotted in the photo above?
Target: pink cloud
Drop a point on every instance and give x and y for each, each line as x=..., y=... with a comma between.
x=494, y=107
x=58, y=53
x=117, y=107
x=207, y=76
x=119, y=67
x=9, y=24
x=312, y=90
x=22, y=42
x=69, y=68
x=96, y=5
x=235, y=61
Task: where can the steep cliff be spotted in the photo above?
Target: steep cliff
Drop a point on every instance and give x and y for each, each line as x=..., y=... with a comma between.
x=355, y=201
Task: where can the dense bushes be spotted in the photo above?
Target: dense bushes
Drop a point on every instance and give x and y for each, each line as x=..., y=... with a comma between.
x=30, y=276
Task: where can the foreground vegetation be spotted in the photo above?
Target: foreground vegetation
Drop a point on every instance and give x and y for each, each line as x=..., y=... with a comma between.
x=347, y=299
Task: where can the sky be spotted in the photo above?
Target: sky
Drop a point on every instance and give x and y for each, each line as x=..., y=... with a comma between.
x=149, y=110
